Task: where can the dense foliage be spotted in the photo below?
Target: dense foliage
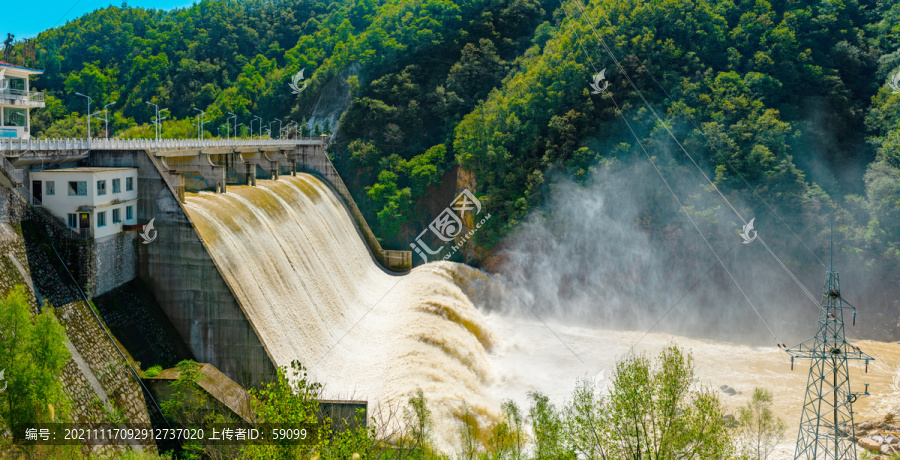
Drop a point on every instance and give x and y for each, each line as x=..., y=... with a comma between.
x=32, y=356
x=653, y=409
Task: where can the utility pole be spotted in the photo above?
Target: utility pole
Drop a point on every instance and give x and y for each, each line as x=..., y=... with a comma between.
x=826, y=424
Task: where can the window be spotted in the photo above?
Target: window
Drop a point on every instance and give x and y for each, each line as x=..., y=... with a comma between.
x=14, y=117
x=73, y=220
x=78, y=188
x=117, y=215
x=101, y=187
x=129, y=184
x=51, y=187
x=117, y=186
x=129, y=212
x=101, y=219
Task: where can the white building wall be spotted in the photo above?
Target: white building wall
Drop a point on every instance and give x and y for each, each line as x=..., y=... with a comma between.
x=61, y=204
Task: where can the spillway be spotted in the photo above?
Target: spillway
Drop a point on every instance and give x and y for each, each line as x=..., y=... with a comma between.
x=306, y=281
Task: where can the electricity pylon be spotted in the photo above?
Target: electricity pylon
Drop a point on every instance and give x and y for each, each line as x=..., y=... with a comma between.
x=826, y=425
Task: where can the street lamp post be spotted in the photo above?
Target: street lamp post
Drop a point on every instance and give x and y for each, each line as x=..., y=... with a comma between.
x=106, y=114
x=158, y=120
x=279, y=127
x=229, y=123
x=260, y=126
x=89, y=114
x=200, y=124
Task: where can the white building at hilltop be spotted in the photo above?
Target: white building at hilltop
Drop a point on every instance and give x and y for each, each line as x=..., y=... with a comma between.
x=94, y=202
x=17, y=100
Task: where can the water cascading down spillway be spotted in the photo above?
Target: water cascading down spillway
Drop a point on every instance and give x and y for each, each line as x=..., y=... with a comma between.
x=294, y=259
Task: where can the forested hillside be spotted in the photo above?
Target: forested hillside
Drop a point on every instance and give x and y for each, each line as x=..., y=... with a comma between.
x=784, y=105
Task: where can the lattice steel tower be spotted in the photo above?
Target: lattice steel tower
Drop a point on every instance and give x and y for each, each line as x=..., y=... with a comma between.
x=826, y=425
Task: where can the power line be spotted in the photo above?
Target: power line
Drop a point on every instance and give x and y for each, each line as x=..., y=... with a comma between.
x=665, y=126
x=674, y=195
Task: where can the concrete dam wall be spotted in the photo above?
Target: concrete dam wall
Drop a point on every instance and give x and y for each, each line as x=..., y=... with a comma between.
x=185, y=280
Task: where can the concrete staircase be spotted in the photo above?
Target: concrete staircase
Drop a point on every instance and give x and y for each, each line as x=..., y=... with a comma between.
x=10, y=176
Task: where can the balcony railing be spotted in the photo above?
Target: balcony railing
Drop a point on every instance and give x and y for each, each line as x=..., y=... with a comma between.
x=31, y=96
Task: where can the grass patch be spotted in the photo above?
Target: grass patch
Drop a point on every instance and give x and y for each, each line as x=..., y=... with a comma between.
x=153, y=371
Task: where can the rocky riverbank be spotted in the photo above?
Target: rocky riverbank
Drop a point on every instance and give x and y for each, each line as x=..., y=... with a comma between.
x=880, y=436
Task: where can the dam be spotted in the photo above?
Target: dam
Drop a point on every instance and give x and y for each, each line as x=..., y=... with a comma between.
x=273, y=270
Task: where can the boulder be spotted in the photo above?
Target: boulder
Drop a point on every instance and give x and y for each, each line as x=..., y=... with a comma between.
x=887, y=449
x=893, y=415
x=866, y=426
x=870, y=444
x=728, y=390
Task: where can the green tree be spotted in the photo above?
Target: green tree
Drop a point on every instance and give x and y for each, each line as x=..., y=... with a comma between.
x=289, y=399
x=418, y=419
x=394, y=203
x=548, y=426
x=761, y=430
x=425, y=169
x=506, y=439
x=652, y=411
x=32, y=357
x=468, y=430
x=189, y=406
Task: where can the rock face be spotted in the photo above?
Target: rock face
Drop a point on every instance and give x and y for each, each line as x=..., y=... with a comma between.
x=880, y=436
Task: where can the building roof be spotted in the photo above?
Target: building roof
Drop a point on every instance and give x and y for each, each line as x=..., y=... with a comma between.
x=17, y=67
x=89, y=169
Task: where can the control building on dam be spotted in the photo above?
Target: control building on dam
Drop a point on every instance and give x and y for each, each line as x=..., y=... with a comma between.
x=115, y=212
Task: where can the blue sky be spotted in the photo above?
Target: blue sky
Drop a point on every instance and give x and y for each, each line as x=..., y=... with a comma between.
x=26, y=19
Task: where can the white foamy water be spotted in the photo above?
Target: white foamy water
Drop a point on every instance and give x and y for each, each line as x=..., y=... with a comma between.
x=293, y=257
x=531, y=355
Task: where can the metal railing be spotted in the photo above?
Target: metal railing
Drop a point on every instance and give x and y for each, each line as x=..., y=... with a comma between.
x=32, y=96
x=10, y=145
x=17, y=176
